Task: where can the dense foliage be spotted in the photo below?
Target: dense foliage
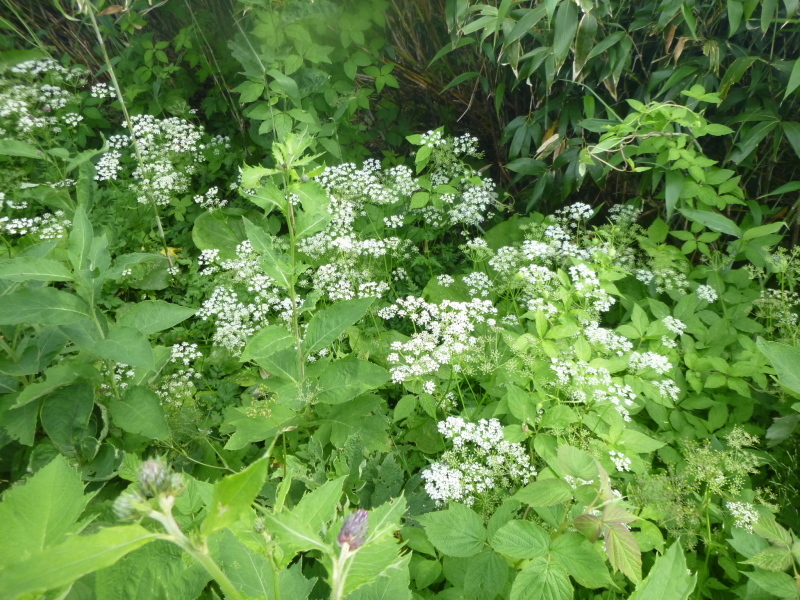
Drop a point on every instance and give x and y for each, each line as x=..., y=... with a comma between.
x=266, y=333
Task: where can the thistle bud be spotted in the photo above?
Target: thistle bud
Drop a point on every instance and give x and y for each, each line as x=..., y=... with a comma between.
x=354, y=530
x=156, y=478
x=129, y=505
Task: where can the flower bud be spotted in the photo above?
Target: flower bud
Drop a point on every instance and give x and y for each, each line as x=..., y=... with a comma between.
x=128, y=506
x=155, y=478
x=354, y=530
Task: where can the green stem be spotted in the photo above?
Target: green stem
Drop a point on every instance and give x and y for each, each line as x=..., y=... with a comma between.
x=89, y=8
x=341, y=566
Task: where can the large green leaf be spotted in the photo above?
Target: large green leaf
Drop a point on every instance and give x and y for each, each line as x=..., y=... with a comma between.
x=275, y=263
x=777, y=584
x=623, y=552
x=25, y=268
x=250, y=572
x=41, y=511
x=315, y=214
x=65, y=416
x=293, y=535
x=42, y=306
x=457, y=531
x=140, y=412
x=60, y=565
x=128, y=346
x=219, y=230
x=318, y=508
x=669, y=579
x=712, y=220
x=348, y=378
x=267, y=342
x=152, y=316
x=521, y=539
x=486, y=576
x=581, y=560
x=542, y=580
x=786, y=360
x=234, y=495
x=327, y=325
x=10, y=147
x=545, y=492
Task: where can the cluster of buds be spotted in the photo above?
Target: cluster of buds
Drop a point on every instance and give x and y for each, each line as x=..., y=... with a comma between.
x=354, y=530
x=156, y=480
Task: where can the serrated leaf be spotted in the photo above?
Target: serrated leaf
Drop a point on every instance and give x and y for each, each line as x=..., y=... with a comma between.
x=140, y=412
x=668, y=579
x=542, y=580
x=457, y=531
x=623, y=552
x=41, y=511
x=545, y=492
x=348, y=378
x=128, y=346
x=581, y=560
x=521, y=539
x=64, y=563
x=772, y=559
x=234, y=495
x=266, y=342
x=777, y=584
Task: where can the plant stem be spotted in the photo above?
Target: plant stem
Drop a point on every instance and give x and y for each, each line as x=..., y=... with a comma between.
x=89, y=8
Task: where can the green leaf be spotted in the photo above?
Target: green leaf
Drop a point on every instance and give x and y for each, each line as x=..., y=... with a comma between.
x=777, y=584
x=266, y=342
x=457, y=531
x=542, y=580
x=521, y=539
x=712, y=220
x=623, y=552
x=16, y=148
x=581, y=560
x=577, y=463
x=639, y=442
x=315, y=214
x=275, y=263
x=794, y=79
x=762, y=230
x=327, y=325
x=25, y=268
x=285, y=84
x=152, y=316
x=545, y=492
x=791, y=130
x=219, y=230
x=250, y=572
x=293, y=535
x=774, y=558
x=565, y=25
x=458, y=81
x=65, y=416
x=487, y=574
x=234, y=495
x=140, y=412
x=672, y=190
x=128, y=346
x=318, y=508
x=669, y=578
x=785, y=359
x=60, y=565
x=393, y=584
x=80, y=240
x=42, y=306
x=348, y=378
x=41, y=511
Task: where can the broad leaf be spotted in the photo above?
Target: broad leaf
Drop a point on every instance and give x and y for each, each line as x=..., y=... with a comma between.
x=127, y=346
x=234, y=495
x=623, y=552
x=785, y=359
x=25, y=268
x=579, y=557
x=327, y=325
x=545, y=492
x=457, y=531
x=542, y=580
x=521, y=539
x=65, y=416
x=152, y=316
x=60, y=565
x=140, y=412
x=348, y=378
x=267, y=342
x=43, y=306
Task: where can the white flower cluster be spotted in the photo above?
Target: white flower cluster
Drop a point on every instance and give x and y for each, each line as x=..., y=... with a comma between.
x=432, y=139
x=641, y=361
x=480, y=466
x=449, y=335
x=178, y=387
x=465, y=144
x=624, y=215
x=574, y=215
x=49, y=226
x=340, y=282
x=242, y=307
x=621, y=462
x=102, y=90
x=707, y=293
x=744, y=514
x=674, y=325
x=606, y=340
x=665, y=279
x=586, y=383
x=211, y=200
x=478, y=284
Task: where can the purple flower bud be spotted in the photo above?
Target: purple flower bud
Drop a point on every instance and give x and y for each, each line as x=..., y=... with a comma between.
x=354, y=530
